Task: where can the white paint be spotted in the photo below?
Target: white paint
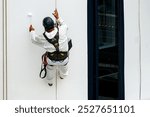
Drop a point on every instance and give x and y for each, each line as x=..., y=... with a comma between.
x=1, y=53
x=132, y=66
x=24, y=58
x=145, y=34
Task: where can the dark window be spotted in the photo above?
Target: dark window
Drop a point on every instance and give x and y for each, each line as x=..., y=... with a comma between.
x=107, y=41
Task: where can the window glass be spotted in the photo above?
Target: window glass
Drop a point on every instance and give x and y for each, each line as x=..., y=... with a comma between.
x=107, y=40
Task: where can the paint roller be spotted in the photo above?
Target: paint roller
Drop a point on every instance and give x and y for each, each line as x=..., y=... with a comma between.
x=30, y=18
x=30, y=14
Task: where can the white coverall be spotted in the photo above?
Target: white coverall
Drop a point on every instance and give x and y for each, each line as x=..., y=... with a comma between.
x=54, y=66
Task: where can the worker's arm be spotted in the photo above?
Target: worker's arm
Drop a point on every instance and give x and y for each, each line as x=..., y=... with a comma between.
x=59, y=21
x=36, y=39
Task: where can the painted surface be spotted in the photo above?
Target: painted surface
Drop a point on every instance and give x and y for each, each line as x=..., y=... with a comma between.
x=1, y=53
x=145, y=48
x=132, y=66
x=24, y=58
x=74, y=13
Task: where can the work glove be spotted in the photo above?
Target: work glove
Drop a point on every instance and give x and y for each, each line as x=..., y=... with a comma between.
x=31, y=28
x=56, y=15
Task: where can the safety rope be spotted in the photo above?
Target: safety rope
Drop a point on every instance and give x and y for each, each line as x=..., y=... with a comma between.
x=55, y=4
x=140, y=49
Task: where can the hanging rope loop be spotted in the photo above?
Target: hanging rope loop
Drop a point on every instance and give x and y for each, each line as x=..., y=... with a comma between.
x=43, y=71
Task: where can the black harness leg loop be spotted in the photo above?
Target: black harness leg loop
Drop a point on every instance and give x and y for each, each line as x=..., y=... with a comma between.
x=43, y=68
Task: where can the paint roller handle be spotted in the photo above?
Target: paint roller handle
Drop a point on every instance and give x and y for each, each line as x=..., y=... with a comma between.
x=31, y=28
x=56, y=15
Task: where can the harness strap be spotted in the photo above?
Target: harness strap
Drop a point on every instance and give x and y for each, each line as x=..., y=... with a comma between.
x=54, y=41
x=43, y=70
x=43, y=66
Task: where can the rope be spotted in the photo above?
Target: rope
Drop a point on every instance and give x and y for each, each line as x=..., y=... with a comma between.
x=140, y=55
x=55, y=4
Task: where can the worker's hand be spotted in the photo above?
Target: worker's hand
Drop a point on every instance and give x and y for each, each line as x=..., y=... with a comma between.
x=56, y=15
x=31, y=28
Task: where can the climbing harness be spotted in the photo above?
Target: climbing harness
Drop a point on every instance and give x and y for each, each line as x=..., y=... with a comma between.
x=56, y=55
x=53, y=56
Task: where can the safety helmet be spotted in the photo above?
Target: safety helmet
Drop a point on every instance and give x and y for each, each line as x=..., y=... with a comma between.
x=48, y=23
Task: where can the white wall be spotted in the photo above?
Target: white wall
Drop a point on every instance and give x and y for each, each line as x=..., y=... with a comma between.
x=132, y=66
x=137, y=22
x=24, y=58
x=1, y=53
x=75, y=14
x=145, y=37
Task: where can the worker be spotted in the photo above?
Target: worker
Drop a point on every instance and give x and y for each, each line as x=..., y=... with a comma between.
x=57, y=45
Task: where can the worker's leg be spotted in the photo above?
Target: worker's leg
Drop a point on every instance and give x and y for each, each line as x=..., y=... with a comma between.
x=51, y=74
x=63, y=71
